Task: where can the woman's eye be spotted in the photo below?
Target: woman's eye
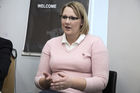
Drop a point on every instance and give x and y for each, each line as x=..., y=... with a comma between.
x=73, y=18
x=64, y=17
x=70, y=17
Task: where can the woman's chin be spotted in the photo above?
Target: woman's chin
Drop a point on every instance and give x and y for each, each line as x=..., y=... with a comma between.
x=68, y=32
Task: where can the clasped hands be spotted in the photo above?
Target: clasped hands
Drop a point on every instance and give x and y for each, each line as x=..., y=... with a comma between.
x=63, y=82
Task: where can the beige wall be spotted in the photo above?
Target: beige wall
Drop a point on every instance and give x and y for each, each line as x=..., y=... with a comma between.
x=124, y=43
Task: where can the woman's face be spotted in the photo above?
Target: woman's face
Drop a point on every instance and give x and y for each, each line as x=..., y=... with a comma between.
x=70, y=22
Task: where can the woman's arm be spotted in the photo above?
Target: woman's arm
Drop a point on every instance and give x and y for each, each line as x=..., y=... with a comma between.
x=43, y=76
x=100, y=69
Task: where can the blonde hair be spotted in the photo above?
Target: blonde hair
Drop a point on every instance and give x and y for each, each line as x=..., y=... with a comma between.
x=80, y=12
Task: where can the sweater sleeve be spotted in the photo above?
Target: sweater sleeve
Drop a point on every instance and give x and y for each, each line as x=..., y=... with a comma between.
x=100, y=69
x=44, y=66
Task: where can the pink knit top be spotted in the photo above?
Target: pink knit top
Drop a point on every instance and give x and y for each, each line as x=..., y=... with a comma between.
x=88, y=60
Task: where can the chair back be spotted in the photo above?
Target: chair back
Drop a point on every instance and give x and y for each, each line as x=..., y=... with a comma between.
x=111, y=86
x=9, y=81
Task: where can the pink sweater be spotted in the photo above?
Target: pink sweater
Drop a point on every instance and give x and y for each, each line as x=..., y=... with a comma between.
x=88, y=60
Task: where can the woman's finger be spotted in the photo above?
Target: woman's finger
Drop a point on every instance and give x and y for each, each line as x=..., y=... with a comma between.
x=45, y=74
x=62, y=75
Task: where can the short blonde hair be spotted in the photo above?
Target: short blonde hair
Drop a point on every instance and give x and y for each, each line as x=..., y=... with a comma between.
x=80, y=12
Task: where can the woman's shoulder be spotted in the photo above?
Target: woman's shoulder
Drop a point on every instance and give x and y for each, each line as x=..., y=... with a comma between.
x=93, y=38
x=55, y=40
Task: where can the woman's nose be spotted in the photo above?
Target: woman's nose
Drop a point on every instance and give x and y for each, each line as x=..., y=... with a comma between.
x=67, y=20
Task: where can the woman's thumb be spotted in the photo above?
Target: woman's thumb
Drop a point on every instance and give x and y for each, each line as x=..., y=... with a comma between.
x=61, y=74
x=45, y=74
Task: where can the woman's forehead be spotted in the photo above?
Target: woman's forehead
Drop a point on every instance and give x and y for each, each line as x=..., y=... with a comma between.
x=68, y=11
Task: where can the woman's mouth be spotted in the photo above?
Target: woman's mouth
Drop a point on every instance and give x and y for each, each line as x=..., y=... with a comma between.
x=68, y=27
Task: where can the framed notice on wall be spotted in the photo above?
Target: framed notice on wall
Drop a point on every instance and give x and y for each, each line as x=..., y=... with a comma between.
x=44, y=23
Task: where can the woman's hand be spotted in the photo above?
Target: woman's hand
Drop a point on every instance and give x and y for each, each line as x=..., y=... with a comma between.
x=45, y=81
x=63, y=82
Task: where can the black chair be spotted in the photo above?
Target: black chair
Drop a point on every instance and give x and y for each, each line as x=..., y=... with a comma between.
x=111, y=86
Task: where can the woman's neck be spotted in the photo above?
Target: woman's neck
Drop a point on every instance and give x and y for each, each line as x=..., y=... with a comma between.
x=71, y=39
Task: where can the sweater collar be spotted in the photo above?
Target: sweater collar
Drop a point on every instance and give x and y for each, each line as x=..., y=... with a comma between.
x=78, y=41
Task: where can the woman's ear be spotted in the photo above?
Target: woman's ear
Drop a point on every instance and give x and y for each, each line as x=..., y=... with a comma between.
x=82, y=21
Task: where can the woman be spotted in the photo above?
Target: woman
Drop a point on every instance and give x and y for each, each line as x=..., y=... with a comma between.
x=75, y=62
